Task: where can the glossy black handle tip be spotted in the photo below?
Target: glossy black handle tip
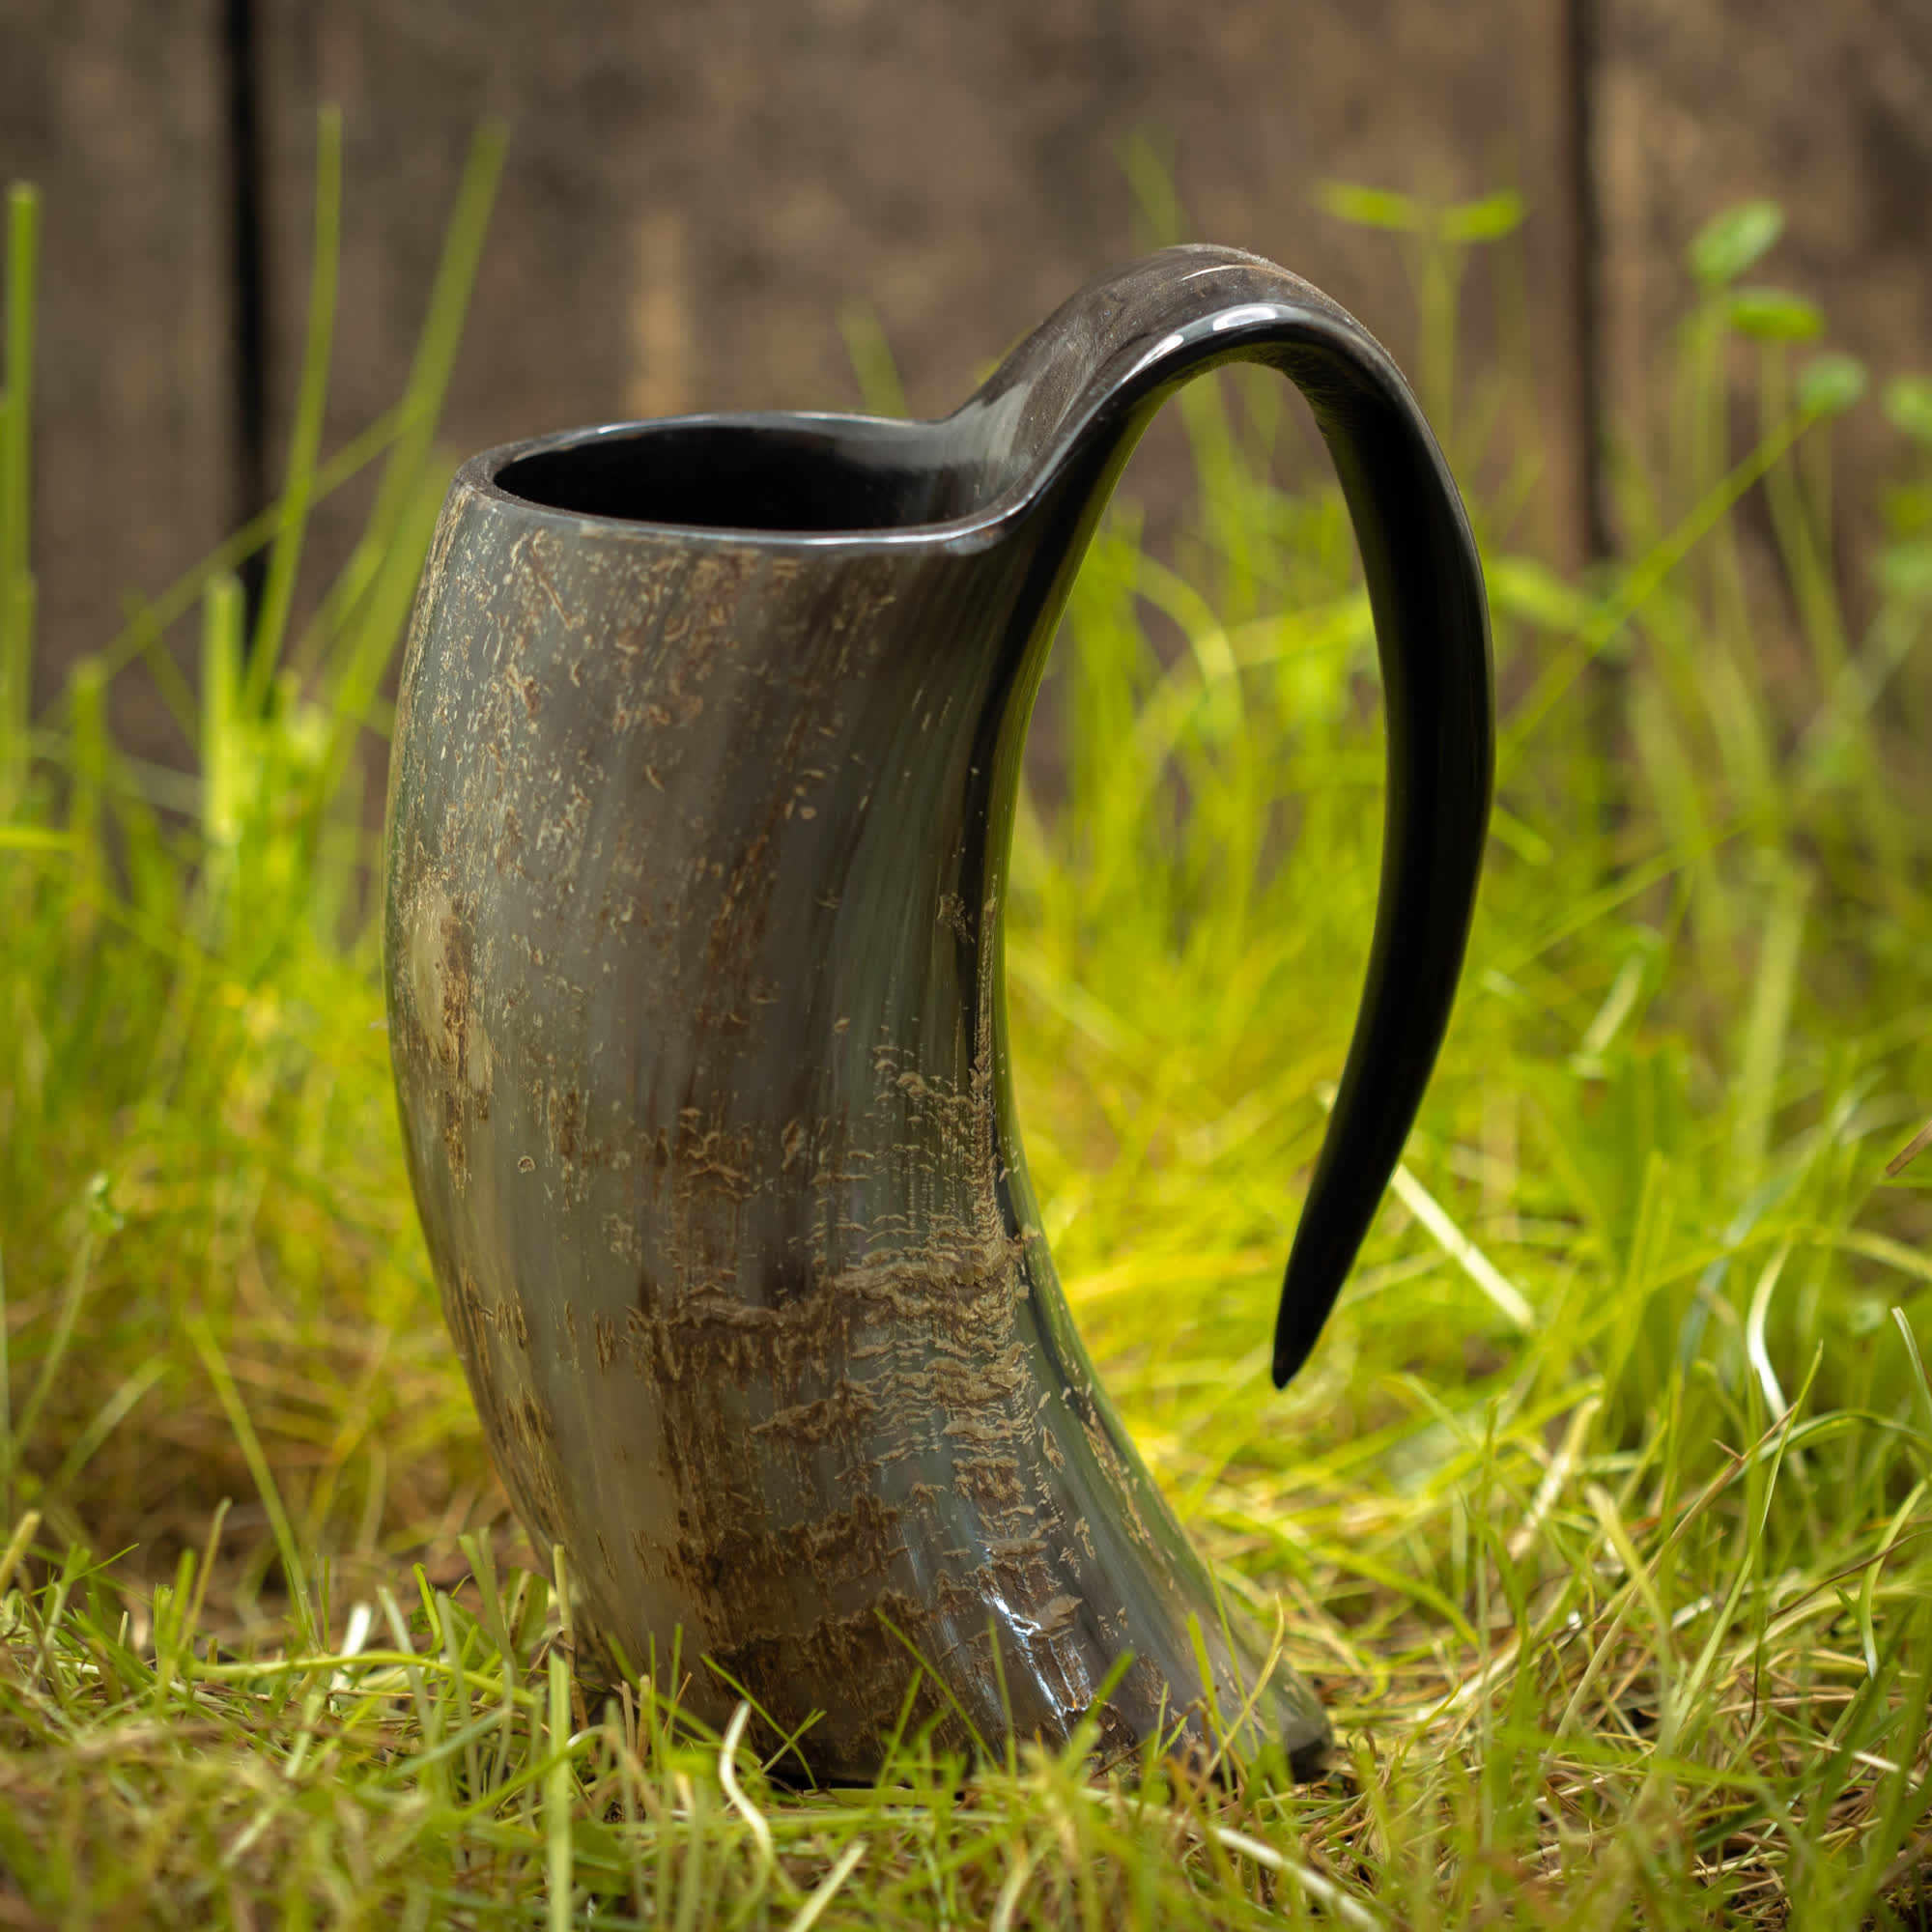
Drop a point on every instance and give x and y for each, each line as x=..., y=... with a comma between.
x=1431, y=627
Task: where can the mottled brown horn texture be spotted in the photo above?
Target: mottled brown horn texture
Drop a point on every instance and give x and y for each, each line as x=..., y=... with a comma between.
x=699, y=808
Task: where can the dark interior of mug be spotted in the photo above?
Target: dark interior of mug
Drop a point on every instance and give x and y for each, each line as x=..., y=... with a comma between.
x=771, y=474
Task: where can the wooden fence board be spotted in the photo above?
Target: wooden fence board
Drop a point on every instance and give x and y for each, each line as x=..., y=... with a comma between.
x=1827, y=109
x=114, y=108
x=694, y=194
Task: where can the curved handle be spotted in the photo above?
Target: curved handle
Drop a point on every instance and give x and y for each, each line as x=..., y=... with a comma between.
x=1147, y=331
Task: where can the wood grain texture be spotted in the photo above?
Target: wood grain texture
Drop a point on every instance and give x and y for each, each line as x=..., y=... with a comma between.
x=113, y=107
x=693, y=195
x=1827, y=109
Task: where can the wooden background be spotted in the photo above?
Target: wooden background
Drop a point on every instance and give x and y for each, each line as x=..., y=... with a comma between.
x=695, y=191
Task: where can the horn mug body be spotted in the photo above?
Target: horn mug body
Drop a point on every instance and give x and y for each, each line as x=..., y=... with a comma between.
x=700, y=798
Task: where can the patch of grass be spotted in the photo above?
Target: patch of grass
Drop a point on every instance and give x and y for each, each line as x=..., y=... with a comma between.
x=1602, y=1514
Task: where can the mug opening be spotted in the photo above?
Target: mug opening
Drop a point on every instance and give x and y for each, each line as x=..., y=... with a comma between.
x=817, y=475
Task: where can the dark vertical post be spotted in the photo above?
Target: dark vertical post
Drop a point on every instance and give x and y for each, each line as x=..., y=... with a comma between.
x=1586, y=262
x=1604, y=690
x=248, y=296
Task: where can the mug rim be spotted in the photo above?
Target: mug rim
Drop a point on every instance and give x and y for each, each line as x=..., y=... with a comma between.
x=483, y=474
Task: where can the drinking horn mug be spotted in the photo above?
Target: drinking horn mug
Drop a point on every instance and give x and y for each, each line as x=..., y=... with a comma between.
x=702, y=789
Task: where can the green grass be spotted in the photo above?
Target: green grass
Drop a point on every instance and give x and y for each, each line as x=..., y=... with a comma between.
x=1601, y=1516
